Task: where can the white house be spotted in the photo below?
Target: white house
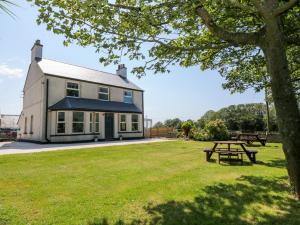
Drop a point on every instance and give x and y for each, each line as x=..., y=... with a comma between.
x=66, y=103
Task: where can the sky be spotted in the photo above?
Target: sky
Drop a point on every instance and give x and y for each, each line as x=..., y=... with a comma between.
x=186, y=93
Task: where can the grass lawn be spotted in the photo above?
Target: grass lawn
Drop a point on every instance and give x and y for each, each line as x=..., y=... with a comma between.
x=159, y=183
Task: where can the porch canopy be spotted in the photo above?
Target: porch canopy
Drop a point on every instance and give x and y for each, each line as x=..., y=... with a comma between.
x=85, y=104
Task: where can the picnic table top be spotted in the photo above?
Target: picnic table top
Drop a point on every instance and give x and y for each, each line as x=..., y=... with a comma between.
x=230, y=142
x=249, y=134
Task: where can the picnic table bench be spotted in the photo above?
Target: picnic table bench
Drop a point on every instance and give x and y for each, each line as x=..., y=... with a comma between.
x=230, y=153
x=249, y=138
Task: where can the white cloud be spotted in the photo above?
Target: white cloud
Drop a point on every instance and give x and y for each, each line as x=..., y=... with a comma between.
x=7, y=71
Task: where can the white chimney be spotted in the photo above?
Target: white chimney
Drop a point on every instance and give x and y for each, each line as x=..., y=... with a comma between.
x=37, y=51
x=122, y=71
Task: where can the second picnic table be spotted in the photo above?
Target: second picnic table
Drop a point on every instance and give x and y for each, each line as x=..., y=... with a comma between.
x=250, y=137
x=251, y=154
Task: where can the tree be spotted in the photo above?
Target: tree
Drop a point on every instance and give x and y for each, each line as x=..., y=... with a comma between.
x=187, y=127
x=4, y=6
x=173, y=123
x=215, y=34
x=158, y=125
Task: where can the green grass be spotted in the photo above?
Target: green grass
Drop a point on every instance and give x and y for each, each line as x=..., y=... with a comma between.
x=159, y=183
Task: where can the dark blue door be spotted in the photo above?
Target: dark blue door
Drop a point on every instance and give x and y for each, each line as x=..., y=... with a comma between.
x=109, y=125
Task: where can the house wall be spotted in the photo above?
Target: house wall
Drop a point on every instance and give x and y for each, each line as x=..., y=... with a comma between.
x=57, y=91
x=86, y=135
x=33, y=105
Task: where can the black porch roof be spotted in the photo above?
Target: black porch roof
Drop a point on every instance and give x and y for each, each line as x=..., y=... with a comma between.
x=85, y=104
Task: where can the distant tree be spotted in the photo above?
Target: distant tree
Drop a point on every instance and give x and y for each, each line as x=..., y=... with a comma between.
x=173, y=123
x=208, y=116
x=158, y=125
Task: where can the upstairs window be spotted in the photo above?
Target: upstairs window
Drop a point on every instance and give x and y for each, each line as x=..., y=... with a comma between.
x=134, y=122
x=72, y=89
x=128, y=97
x=103, y=93
x=122, y=122
x=78, y=122
x=61, y=123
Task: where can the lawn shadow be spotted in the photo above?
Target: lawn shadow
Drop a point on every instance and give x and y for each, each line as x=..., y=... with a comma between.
x=278, y=163
x=227, y=204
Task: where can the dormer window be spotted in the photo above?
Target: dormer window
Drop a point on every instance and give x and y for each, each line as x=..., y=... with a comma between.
x=103, y=93
x=128, y=97
x=72, y=89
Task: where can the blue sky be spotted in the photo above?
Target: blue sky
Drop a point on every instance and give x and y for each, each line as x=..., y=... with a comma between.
x=184, y=93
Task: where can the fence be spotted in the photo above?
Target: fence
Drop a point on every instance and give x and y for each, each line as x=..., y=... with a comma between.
x=160, y=132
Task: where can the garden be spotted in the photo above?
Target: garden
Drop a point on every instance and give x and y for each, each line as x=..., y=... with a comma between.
x=156, y=183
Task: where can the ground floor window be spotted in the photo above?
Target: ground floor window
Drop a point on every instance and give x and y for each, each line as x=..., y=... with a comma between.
x=78, y=122
x=61, y=123
x=31, y=124
x=97, y=122
x=122, y=122
x=25, y=126
x=134, y=122
x=91, y=122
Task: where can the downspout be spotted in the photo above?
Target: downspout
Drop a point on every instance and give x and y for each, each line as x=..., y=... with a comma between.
x=46, y=124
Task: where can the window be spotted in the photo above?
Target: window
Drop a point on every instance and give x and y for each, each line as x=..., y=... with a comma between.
x=103, y=93
x=72, y=89
x=61, y=123
x=91, y=122
x=78, y=122
x=122, y=122
x=25, y=126
x=134, y=122
x=97, y=123
x=31, y=124
x=128, y=96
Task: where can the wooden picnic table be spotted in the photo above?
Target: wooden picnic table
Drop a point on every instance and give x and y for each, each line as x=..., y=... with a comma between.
x=250, y=138
x=229, y=151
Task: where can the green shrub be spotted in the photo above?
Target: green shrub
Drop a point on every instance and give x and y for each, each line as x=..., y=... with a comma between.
x=217, y=130
x=200, y=135
x=186, y=128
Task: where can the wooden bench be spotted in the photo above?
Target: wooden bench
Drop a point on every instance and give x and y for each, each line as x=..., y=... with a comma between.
x=209, y=153
x=231, y=155
x=252, y=154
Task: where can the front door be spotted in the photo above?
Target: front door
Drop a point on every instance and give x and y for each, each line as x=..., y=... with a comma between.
x=109, y=125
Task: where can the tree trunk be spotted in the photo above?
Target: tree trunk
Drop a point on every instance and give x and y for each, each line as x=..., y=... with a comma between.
x=284, y=99
x=268, y=111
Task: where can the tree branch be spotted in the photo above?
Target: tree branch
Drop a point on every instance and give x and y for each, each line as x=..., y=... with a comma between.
x=234, y=39
x=283, y=8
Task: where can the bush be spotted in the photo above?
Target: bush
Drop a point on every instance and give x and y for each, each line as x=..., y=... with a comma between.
x=217, y=130
x=186, y=128
x=200, y=135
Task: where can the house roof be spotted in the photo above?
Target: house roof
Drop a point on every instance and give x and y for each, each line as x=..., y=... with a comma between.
x=85, y=104
x=59, y=69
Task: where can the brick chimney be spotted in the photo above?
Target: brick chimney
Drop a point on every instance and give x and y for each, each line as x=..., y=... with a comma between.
x=37, y=51
x=122, y=71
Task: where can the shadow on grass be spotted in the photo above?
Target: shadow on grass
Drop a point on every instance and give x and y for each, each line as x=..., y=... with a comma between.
x=252, y=200
x=278, y=163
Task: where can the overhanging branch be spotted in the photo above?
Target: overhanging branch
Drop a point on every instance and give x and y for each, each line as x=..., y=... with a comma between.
x=234, y=38
x=283, y=8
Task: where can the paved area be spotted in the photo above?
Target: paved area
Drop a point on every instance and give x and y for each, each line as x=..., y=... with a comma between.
x=7, y=148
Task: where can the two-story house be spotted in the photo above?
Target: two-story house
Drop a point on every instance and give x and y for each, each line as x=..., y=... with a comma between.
x=65, y=103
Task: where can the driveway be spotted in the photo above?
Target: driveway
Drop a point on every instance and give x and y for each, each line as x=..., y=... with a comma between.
x=7, y=148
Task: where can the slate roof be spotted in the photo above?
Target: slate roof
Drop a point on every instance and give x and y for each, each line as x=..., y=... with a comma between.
x=55, y=68
x=85, y=104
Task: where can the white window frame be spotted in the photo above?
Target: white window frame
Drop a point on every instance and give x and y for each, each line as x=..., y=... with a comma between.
x=97, y=122
x=122, y=122
x=77, y=122
x=138, y=123
x=129, y=91
x=104, y=93
x=57, y=122
x=91, y=122
x=74, y=89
